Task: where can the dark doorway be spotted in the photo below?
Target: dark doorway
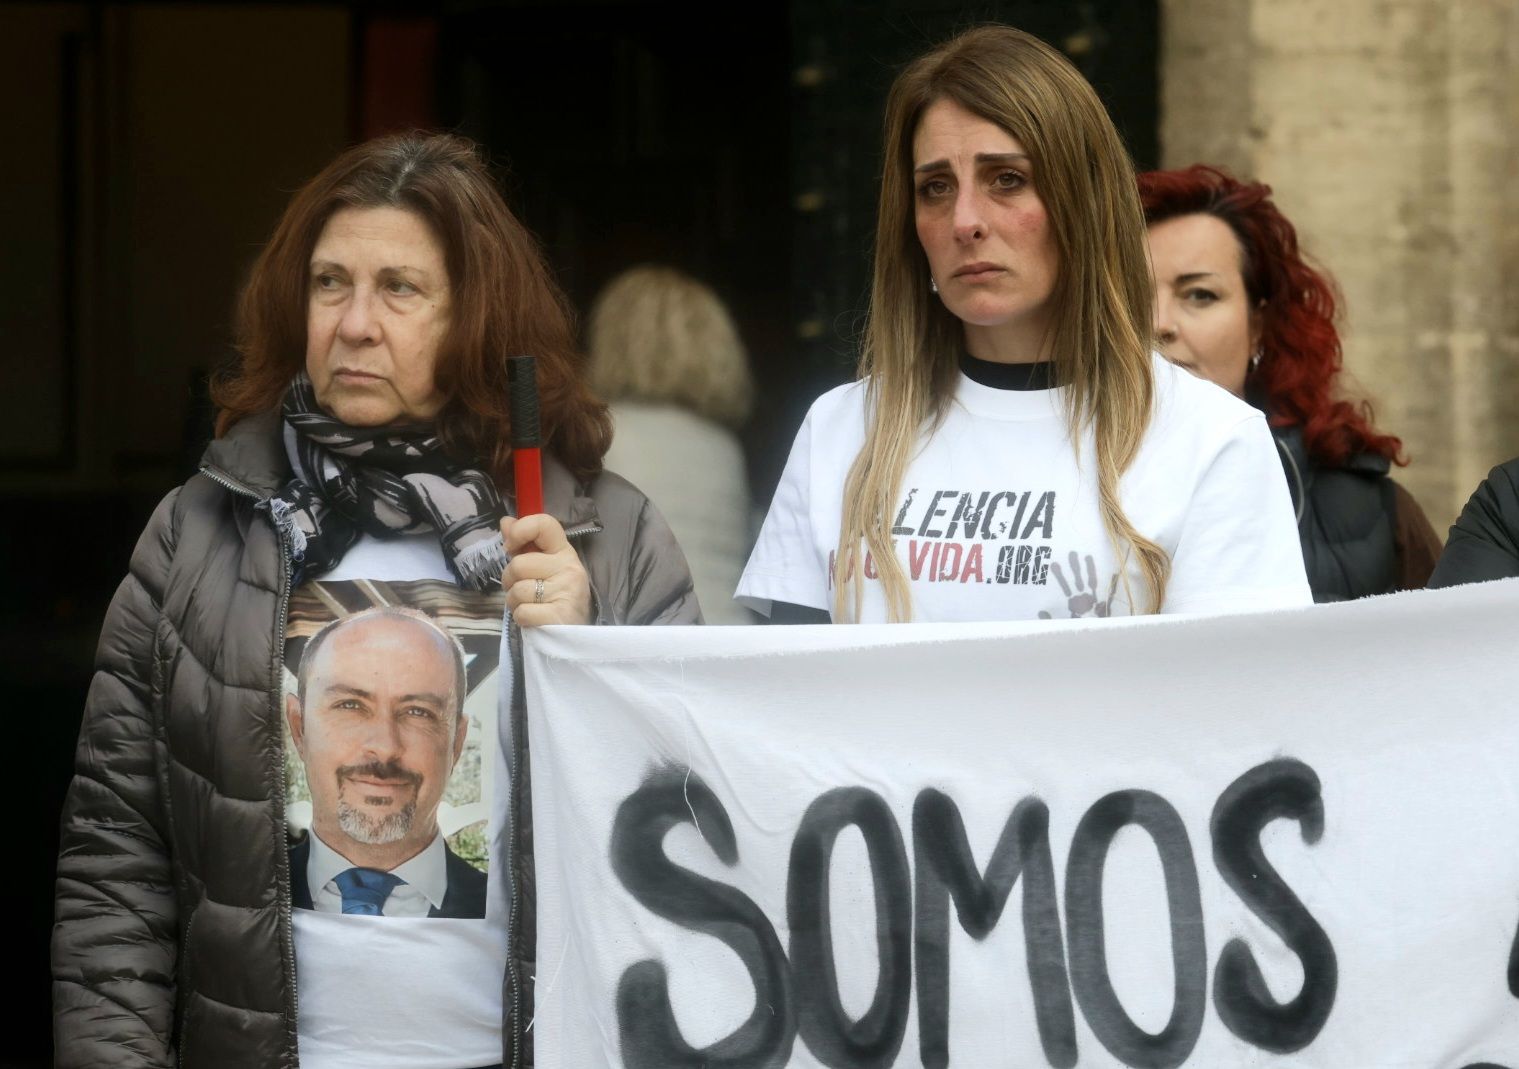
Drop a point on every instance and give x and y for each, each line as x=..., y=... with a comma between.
x=644, y=133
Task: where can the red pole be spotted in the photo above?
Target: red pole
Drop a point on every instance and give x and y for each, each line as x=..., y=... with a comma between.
x=527, y=465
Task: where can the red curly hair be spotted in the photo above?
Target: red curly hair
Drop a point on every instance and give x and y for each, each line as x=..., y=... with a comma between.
x=505, y=302
x=1296, y=381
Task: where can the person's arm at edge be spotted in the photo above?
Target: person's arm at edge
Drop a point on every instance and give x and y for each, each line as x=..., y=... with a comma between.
x=1484, y=540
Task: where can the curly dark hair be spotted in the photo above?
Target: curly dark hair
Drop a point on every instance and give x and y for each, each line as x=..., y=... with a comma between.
x=1296, y=382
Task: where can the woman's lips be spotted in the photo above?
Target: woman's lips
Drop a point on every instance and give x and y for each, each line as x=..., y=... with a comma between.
x=351, y=376
x=978, y=272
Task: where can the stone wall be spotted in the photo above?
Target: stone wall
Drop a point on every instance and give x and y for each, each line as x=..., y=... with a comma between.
x=1389, y=130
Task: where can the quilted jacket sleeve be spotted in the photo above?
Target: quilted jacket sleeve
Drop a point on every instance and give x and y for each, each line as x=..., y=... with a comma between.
x=637, y=570
x=114, y=939
x=660, y=587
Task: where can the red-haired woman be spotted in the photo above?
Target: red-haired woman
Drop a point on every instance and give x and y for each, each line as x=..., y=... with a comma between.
x=241, y=806
x=1237, y=304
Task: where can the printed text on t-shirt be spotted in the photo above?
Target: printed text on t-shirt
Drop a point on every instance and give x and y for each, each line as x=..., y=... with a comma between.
x=947, y=530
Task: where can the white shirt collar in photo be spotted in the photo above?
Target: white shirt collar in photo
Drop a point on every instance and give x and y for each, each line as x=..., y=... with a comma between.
x=426, y=876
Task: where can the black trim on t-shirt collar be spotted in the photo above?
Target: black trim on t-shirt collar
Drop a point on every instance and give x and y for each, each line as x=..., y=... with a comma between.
x=1038, y=376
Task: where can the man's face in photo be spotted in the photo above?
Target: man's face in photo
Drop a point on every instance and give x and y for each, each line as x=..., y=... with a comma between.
x=379, y=731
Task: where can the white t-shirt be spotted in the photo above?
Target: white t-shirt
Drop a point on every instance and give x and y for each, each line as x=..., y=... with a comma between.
x=407, y=989
x=996, y=519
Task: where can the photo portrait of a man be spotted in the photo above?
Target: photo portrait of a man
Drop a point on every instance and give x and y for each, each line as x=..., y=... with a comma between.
x=377, y=721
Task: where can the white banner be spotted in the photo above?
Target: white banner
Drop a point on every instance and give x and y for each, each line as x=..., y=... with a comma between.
x=1288, y=839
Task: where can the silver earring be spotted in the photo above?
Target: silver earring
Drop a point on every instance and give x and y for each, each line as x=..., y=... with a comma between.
x=933, y=285
x=1255, y=358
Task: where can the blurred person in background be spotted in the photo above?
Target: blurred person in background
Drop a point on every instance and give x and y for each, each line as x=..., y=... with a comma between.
x=1236, y=303
x=1484, y=540
x=1012, y=449
x=363, y=452
x=665, y=354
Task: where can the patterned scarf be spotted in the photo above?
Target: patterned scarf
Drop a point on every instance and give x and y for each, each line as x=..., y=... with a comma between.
x=382, y=481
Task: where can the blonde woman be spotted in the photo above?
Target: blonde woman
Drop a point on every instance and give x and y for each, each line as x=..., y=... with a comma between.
x=665, y=353
x=1012, y=449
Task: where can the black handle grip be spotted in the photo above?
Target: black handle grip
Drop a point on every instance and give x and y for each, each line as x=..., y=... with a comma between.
x=522, y=377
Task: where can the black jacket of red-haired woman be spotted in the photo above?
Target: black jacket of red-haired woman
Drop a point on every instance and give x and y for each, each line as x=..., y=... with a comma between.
x=1362, y=533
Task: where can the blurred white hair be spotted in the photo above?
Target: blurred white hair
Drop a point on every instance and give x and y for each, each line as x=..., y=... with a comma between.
x=659, y=335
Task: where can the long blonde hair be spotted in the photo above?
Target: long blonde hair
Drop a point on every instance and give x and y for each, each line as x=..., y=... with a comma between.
x=1101, y=305
x=659, y=335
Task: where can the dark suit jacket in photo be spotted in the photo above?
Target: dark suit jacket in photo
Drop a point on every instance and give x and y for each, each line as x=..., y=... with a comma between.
x=464, y=899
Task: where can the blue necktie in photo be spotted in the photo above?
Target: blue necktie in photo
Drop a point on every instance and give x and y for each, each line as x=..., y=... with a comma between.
x=364, y=890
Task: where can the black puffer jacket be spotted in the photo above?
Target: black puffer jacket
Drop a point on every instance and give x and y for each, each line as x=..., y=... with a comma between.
x=1346, y=521
x=173, y=939
x=1484, y=540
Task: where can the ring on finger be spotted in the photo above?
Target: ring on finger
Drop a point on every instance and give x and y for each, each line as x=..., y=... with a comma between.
x=537, y=591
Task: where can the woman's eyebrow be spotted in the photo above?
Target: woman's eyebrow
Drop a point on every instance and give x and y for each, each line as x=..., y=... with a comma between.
x=1193, y=276
x=980, y=157
x=388, y=271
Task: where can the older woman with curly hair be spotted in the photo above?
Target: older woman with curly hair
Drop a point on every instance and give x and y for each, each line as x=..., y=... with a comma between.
x=1237, y=304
